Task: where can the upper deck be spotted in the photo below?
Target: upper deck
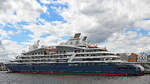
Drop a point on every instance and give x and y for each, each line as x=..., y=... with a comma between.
x=74, y=50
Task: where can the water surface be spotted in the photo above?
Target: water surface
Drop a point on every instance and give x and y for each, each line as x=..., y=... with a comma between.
x=18, y=78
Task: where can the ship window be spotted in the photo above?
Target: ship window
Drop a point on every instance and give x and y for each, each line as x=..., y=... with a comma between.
x=73, y=64
x=93, y=64
x=122, y=68
x=89, y=64
x=126, y=68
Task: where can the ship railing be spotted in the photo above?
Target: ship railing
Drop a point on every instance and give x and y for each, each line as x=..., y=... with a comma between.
x=108, y=61
x=113, y=60
x=10, y=62
x=117, y=61
x=44, y=55
x=94, y=52
x=34, y=55
x=42, y=62
x=32, y=62
x=43, y=58
x=39, y=62
x=38, y=57
x=63, y=54
x=68, y=53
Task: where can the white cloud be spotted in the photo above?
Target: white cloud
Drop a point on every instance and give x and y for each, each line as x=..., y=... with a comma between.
x=26, y=10
x=9, y=49
x=47, y=1
x=99, y=19
x=3, y=33
x=13, y=11
x=6, y=33
x=124, y=43
x=145, y=24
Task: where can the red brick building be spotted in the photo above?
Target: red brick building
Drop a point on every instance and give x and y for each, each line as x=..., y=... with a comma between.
x=133, y=57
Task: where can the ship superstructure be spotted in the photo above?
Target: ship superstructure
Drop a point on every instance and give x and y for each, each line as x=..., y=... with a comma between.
x=76, y=56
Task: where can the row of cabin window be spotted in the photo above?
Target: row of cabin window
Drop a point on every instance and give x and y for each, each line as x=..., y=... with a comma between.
x=43, y=52
x=78, y=55
x=59, y=52
x=45, y=57
x=42, y=60
x=98, y=59
x=88, y=50
x=126, y=68
x=78, y=51
x=95, y=59
x=36, y=53
x=87, y=64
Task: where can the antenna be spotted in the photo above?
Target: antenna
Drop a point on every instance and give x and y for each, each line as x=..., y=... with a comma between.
x=38, y=42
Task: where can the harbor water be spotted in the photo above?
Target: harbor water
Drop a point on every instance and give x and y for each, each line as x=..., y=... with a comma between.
x=18, y=78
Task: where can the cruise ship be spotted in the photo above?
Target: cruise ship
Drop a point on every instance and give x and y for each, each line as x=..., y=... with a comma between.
x=75, y=56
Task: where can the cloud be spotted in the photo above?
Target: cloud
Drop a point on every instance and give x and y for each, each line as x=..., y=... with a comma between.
x=3, y=34
x=105, y=19
x=128, y=43
x=16, y=11
x=12, y=12
x=9, y=49
x=101, y=20
x=145, y=24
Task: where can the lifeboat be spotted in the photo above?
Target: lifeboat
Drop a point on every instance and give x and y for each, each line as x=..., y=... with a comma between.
x=92, y=47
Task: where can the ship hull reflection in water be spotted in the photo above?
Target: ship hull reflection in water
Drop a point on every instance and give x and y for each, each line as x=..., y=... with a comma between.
x=15, y=78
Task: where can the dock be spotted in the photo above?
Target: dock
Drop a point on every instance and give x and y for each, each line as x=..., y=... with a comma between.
x=2, y=67
x=147, y=71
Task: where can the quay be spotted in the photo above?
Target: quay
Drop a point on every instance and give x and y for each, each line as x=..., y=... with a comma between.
x=2, y=67
x=147, y=71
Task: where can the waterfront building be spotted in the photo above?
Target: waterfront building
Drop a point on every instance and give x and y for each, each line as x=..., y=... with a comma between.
x=142, y=57
x=133, y=57
x=148, y=58
x=124, y=56
x=2, y=67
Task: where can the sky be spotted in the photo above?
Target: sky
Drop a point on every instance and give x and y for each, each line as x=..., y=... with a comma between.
x=118, y=25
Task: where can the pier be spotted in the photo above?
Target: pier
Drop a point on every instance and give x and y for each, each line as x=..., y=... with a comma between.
x=2, y=67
